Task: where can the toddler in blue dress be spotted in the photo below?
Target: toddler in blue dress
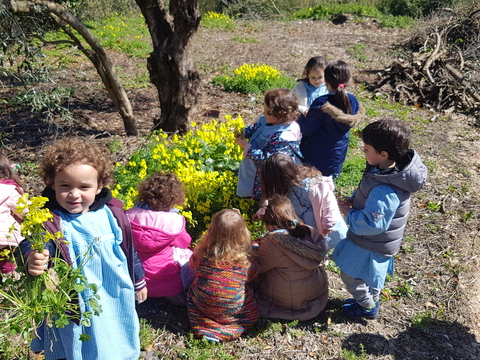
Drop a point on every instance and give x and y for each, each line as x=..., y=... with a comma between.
x=94, y=225
x=377, y=214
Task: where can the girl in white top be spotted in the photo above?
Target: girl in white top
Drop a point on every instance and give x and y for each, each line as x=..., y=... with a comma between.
x=312, y=85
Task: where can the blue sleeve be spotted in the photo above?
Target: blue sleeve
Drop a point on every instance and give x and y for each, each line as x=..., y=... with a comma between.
x=309, y=125
x=376, y=216
x=139, y=272
x=251, y=129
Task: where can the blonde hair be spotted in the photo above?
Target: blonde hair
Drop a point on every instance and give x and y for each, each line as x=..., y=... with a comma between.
x=226, y=240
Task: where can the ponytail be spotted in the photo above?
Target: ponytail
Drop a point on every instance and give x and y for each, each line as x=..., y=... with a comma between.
x=337, y=75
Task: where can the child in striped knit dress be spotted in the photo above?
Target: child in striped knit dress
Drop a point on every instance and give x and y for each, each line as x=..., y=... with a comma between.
x=220, y=301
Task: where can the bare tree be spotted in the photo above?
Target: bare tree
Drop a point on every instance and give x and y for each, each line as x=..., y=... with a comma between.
x=96, y=54
x=171, y=67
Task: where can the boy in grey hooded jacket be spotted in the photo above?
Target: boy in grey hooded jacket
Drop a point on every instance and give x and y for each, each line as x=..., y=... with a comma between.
x=377, y=214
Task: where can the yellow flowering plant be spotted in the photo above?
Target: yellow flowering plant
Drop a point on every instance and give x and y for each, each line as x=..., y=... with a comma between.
x=254, y=78
x=205, y=160
x=213, y=20
x=52, y=297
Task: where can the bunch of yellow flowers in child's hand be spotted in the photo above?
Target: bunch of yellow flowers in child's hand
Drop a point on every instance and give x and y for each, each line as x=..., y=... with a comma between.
x=53, y=296
x=34, y=215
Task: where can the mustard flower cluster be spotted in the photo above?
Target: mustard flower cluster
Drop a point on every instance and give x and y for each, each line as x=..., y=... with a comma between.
x=205, y=160
x=213, y=15
x=254, y=78
x=252, y=71
x=215, y=20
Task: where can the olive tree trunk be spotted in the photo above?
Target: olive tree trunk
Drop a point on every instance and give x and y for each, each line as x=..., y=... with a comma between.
x=96, y=54
x=171, y=66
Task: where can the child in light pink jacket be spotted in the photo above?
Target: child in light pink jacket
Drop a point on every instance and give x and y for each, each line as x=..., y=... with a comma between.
x=160, y=237
x=10, y=192
x=312, y=195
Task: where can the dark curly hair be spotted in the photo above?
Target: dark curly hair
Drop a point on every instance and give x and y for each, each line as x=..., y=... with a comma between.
x=161, y=191
x=65, y=152
x=388, y=135
x=283, y=104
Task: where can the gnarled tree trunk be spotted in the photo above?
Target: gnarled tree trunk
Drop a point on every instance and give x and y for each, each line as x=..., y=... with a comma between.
x=171, y=67
x=97, y=54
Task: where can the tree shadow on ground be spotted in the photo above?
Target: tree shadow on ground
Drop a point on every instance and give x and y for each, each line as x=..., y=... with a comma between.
x=427, y=339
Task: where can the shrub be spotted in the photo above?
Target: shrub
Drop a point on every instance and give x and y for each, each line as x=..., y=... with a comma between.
x=46, y=104
x=324, y=11
x=205, y=160
x=413, y=8
x=213, y=20
x=251, y=78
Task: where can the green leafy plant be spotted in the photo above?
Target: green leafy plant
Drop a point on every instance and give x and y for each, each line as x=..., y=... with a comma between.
x=28, y=301
x=433, y=206
x=48, y=104
x=254, y=78
x=467, y=217
x=404, y=289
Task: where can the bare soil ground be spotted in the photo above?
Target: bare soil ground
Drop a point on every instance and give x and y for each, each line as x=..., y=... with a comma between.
x=432, y=309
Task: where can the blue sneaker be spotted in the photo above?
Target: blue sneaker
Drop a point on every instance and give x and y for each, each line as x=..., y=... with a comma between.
x=354, y=310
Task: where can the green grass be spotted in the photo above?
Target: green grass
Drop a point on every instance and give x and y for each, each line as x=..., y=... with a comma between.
x=352, y=170
x=357, y=51
x=128, y=34
x=202, y=349
x=245, y=39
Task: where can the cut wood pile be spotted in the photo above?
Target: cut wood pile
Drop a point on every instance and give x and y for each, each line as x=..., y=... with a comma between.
x=442, y=69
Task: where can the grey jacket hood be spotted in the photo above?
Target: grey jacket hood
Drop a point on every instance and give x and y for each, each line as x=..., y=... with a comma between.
x=411, y=177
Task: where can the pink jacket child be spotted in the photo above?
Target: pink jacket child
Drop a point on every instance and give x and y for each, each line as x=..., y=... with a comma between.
x=162, y=242
x=10, y=192
x=160, y=237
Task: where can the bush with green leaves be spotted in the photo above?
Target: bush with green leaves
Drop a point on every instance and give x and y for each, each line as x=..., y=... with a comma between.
x=413, y=8
x=46, y=104
x=254, y=79
x=325, y=11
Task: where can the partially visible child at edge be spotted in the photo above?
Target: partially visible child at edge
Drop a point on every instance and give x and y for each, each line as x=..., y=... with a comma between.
x=312, y=85
x=220, y=301
x=75, y=173
x=326, y=128
x=10, y=192
x=160, y=237
x=275, y=131
x=377, y=215
x=312, y=195
x=292, y=283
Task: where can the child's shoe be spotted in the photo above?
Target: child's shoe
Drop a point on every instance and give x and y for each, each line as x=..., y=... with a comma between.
x=354, y=310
